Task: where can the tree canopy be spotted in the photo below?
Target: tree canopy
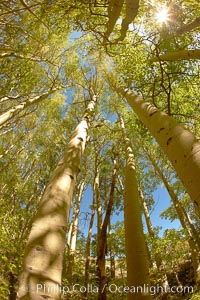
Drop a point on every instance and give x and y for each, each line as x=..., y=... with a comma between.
x=99, y=110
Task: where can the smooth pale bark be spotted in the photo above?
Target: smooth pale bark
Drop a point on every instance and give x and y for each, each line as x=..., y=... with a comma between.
x=74, y=224
x=178, y=55
x=43, y=260
x=88, y=243
x=101, y=251
x=179, y=144
x=158, y=258
x=136, y=251
x=17, y=55
x=152, y=234
x=146, y=214
x=7, y=151
x=112, y=262
x=132, y=7
x=6, y=116
x=112, y=256
x=193, y=237
x=5, y=98
x=191, y=226
x=98, y=205
x=73, y=231
x=180, y=211
x=114, y=10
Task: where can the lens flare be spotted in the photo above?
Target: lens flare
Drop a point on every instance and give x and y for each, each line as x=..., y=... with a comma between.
x=162, y=15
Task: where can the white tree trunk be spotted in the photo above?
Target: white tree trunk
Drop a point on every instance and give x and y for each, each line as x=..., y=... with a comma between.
x=136, y=251
x=179, y=144
x=43, y=261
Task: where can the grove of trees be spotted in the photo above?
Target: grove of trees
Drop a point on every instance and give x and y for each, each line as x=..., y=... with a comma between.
x=99, y=111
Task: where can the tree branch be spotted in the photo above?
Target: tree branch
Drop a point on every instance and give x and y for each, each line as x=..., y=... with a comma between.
x=177, y=55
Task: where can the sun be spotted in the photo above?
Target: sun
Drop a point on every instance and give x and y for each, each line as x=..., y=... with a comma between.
x=162, y=15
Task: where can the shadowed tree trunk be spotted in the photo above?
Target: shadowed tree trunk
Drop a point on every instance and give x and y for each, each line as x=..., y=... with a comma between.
x=43, y=260
x=132, y=7
x=73, y=231
x=12, y=284
x=136, y=251
x=101, y=251
x=114, y=10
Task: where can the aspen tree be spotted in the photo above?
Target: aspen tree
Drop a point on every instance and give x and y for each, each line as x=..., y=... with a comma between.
x=179, y=144
x=42, y=268
x=112, y=256
x=132, y=7
x=88, y=243
x=191, y=226
x=114, y=10
x=101, y=250
x=178, y=55
x=181, y=213
x=136, y=251
x=98, y=205
x=152, y=234
x=193, y=238
x=102, y=245
x=151, y=231
x=73, y=231
x=6, y=116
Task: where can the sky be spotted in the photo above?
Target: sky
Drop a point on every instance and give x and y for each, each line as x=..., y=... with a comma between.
x=160, y=195
x=162, y=202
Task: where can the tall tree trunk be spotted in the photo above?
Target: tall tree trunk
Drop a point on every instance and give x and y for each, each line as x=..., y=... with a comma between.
x=151, y=231
x=73, y=231
x=102, y=295
x=114, y=10
x=193, y=238
x=178, y=143
x=6, y=116
x=88, y=243
x=132, y=7
x=98, y=206
x=191, y=226
x=178, y=55
x=136, y=251
x=180, y=211
x=152, y=234
x=42, y=269
x=146, y=214
x=112, y=257
x=12, y=284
